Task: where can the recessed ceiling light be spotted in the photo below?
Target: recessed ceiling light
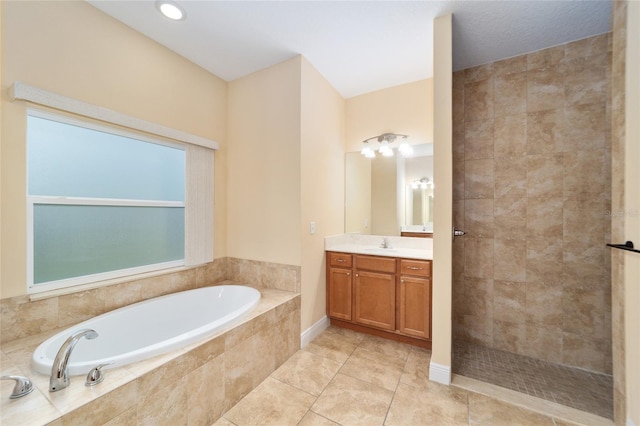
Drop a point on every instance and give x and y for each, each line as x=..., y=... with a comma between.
x=171, y=10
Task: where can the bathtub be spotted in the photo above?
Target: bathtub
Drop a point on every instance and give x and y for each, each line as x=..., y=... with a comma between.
x=152, y=327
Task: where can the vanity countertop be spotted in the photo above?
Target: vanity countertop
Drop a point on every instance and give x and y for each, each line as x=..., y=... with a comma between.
x=405, y=247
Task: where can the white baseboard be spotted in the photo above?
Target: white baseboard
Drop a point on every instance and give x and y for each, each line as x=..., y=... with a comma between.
x=630, y=422
x=440, y=373
x=312, y=332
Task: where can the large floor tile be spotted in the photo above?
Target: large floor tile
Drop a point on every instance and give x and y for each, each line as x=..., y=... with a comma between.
x=308, y=372
x=386, y=346
x=433, y=404
x=331, y=345
x=313, y=419
x=350, y=401
x=375, y=368
x=271, y=403
x=416, y=369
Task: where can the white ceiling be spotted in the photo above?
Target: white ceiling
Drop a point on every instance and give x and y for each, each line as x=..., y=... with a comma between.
x=358, y=46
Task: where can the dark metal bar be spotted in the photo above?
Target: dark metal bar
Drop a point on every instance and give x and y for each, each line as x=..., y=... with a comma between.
x=628, y=246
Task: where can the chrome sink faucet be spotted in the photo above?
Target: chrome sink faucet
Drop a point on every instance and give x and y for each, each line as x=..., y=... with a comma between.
x=385, y=243
x=59, y=370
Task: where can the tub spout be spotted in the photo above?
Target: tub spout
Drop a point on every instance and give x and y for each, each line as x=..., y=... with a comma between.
x=59, y=371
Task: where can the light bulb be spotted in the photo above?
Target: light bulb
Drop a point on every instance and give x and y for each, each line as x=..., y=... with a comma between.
x=170, y=10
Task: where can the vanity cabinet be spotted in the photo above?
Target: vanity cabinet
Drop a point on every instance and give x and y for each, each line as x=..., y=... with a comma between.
x=385, y=296
x=375, y=291
x=415, y=295
x=339, y=286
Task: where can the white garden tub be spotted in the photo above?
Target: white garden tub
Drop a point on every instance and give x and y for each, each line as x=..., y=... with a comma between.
x=152, y=327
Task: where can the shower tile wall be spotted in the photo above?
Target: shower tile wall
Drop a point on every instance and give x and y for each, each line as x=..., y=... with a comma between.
x=532, y=188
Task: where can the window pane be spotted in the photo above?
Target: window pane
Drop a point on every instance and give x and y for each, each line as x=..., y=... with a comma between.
x=72, y=161
x=72, y=241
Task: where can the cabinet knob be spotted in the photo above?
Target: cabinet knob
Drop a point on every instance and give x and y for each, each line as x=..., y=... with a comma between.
x=340, y=260
x=348, y=274
x=357, y=275
x=414, y=268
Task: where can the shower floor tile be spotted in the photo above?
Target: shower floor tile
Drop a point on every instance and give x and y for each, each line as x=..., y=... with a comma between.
x=573, y=387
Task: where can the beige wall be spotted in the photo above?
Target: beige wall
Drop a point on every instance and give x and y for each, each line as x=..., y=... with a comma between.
x=405, y=109
x=263, y=192
x=75, y=50
x=322, y=184
x=442, y=174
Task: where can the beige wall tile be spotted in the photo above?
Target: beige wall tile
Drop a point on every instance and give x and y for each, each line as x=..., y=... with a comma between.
x=584, y=127
x=479, y=73
x=545, y=131
x=545, y=89
x=77, y=307
x=545, y=175
x=21, y=318
x=585, y=79
x=544, y=342
x=510, y=260
x=544, y=260
x=509, y=299
x=584, y=312
x=580, y=167
x=104, y=408
x=510, y=218
x=510, y=177
x=513, y=65
x=478, y=293
x=478, y=100
x=479, y=178
x=510, y=136
x=589, y=46
x=478, y=139
x=546, y=57
x=509, y=336
x=478, y=218
x=543, y=305
x=478, y=255
x=478, y=329
x=544, y=217
x=584, y=352
x=510, y=94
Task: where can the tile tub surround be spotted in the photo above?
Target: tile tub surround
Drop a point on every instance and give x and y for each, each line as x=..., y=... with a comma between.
x=532, y=187
x=191, y=386
x=406, y=247
x=20, y=317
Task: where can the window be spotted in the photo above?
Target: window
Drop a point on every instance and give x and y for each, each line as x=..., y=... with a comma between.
x=103, y=203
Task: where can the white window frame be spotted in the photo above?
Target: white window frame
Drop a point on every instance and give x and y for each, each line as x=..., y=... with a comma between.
x=33, y=200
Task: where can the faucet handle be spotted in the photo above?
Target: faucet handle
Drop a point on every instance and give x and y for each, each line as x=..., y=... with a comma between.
x=96, y=375
x=23, y=386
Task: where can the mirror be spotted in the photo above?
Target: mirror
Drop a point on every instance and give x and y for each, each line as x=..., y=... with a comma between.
x=390, y=195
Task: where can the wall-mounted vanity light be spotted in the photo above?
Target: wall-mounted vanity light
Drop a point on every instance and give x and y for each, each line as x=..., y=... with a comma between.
x=385, y=145
x=422, y=183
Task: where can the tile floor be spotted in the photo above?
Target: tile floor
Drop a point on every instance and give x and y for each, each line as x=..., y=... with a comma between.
x=348, y=378
x=573, y=387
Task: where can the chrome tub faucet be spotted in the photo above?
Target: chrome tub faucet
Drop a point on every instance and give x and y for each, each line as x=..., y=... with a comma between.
x=59, y=370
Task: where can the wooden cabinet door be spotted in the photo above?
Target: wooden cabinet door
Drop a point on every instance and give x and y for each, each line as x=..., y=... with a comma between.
x=375, y=299
x=339, y=297
x=415, y=306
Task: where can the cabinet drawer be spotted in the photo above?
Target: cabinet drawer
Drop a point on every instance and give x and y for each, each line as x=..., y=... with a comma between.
x=341, y=260
x=376, y=263
x=419, y=268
